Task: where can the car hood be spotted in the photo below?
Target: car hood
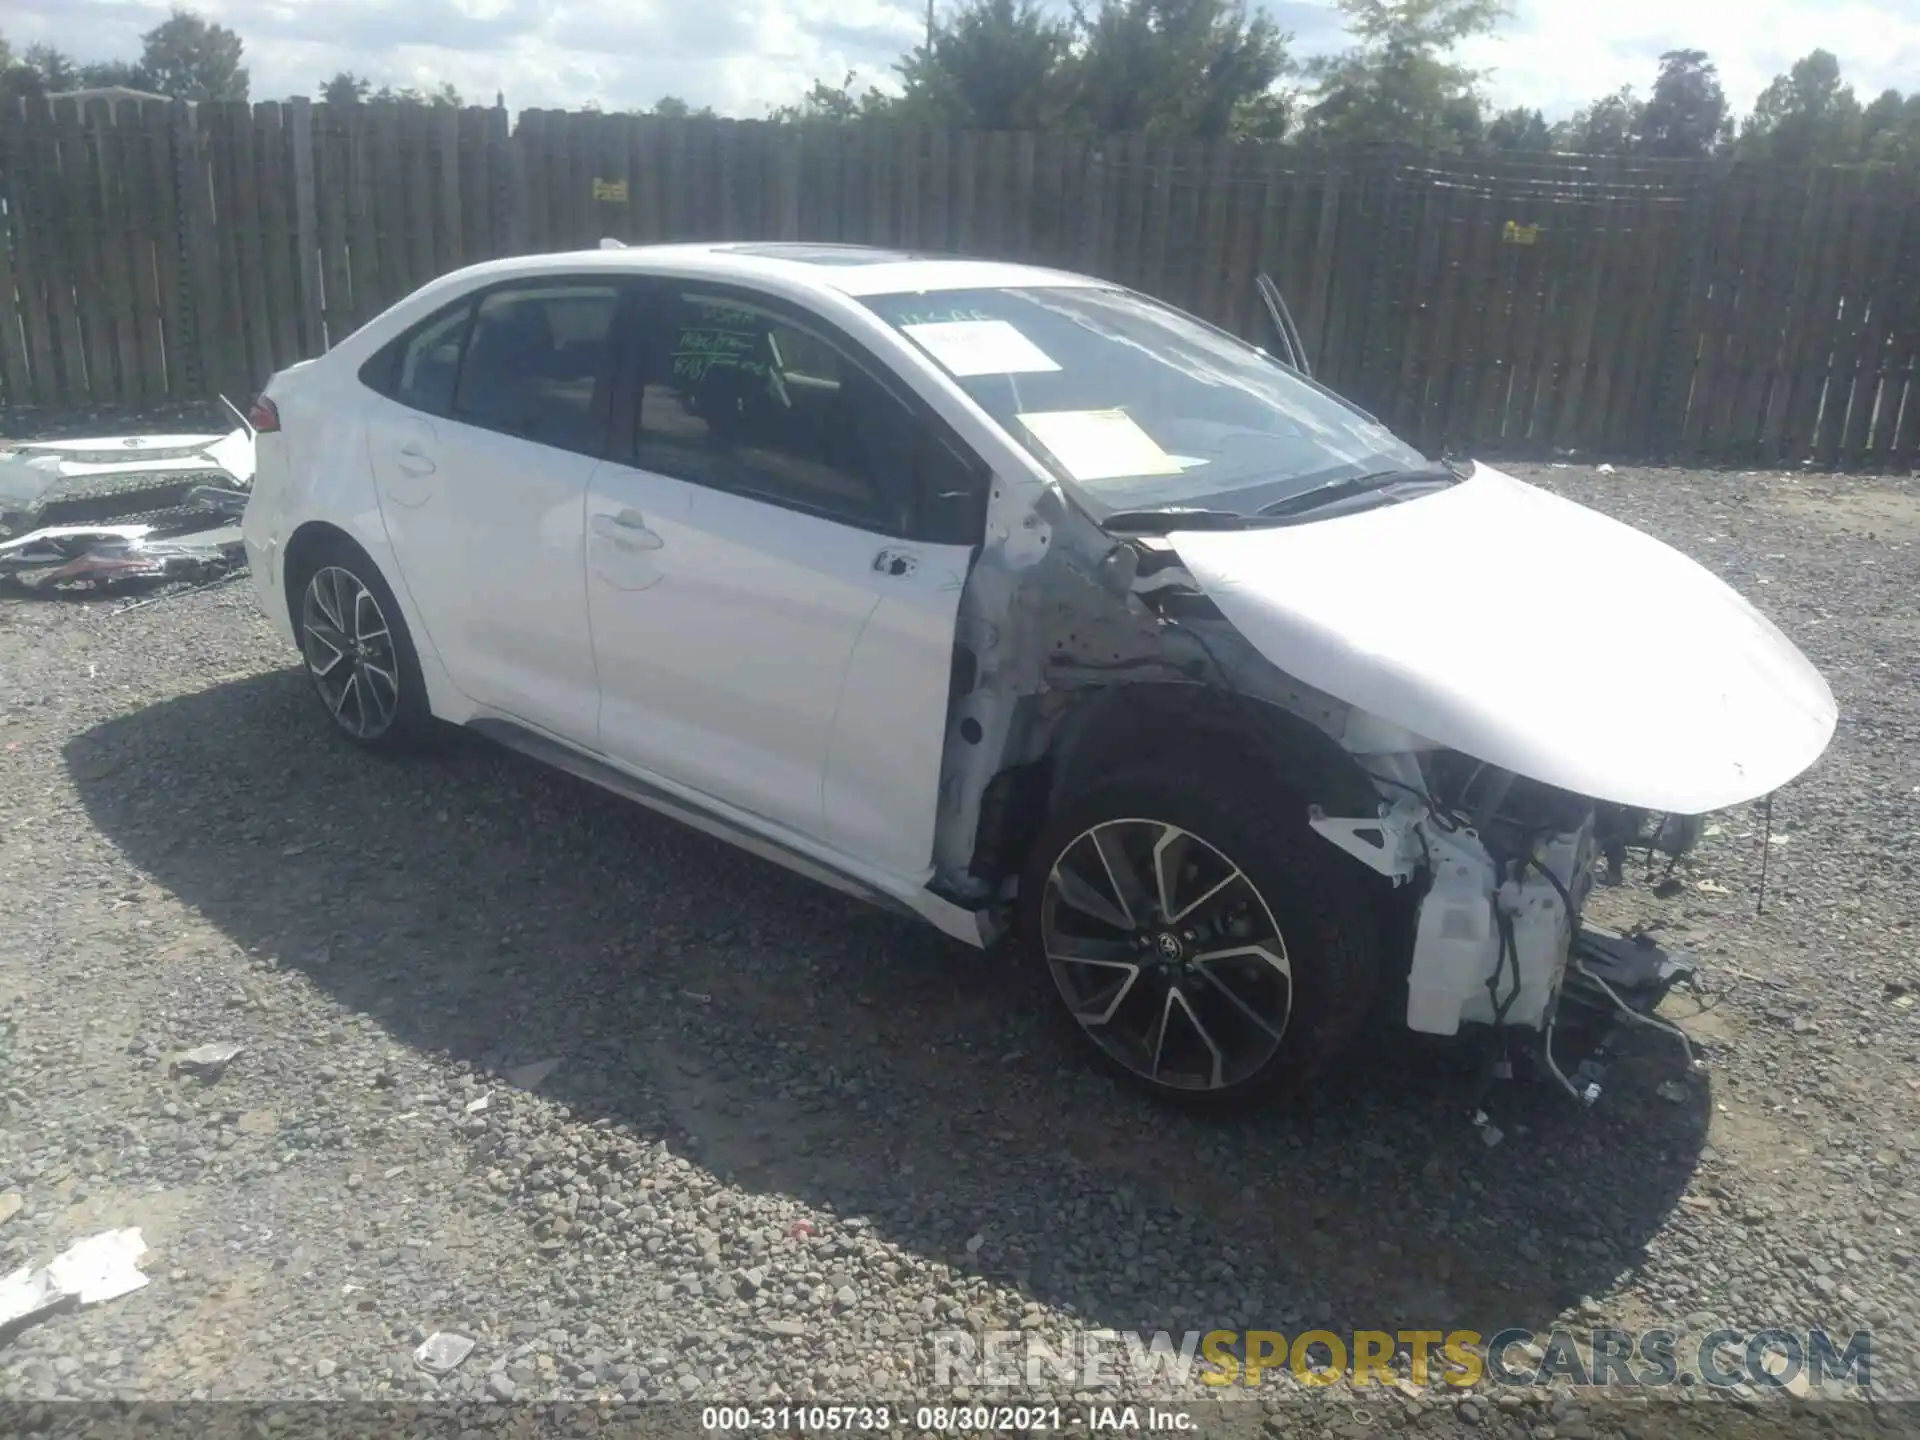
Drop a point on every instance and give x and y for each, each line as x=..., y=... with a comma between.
x=1535, y=634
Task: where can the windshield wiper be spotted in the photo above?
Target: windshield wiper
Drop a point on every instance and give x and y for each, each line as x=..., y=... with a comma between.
x=1445, y=473
x=1161, y=522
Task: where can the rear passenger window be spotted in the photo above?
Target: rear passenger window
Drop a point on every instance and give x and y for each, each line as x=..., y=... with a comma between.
x=430, y=363
x=536, y=364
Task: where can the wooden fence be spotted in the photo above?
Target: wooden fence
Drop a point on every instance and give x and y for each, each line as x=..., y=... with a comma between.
x=1699, y=311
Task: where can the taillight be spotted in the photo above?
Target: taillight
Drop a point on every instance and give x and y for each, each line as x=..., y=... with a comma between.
x=264, y=417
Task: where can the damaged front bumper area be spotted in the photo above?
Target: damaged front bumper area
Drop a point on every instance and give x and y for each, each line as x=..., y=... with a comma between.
x=1506, y=867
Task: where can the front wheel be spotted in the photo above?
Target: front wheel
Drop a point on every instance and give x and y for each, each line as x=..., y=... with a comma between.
x=1199, y=936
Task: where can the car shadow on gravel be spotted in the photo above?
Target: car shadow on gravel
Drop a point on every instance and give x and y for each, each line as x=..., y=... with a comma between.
x=493, y=913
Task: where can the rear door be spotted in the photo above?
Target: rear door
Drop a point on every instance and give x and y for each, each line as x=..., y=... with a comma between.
x=773, y=600
x=497, y=420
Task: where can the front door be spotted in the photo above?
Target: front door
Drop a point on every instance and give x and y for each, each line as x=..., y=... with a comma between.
x=767, y=626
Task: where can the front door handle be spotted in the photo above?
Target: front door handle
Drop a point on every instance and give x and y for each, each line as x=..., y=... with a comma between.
x=415, y=461
x=628, y=528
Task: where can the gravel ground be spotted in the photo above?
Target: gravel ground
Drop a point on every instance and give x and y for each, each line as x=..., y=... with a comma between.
x=646, y=1117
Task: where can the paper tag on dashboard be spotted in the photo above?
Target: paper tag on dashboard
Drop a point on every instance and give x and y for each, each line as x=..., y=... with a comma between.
x=980, y=347
x=1099, y=444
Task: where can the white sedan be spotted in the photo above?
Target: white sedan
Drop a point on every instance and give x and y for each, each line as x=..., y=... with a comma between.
x=1025, y=604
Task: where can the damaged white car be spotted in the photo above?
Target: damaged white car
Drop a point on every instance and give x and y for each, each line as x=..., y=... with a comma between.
x=1028, y=605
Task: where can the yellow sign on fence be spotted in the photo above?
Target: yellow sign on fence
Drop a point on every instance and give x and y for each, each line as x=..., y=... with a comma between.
x=1514, y=233
x=614, y=190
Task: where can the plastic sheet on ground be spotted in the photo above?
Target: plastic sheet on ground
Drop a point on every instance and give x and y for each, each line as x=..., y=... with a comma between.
x=100, y=556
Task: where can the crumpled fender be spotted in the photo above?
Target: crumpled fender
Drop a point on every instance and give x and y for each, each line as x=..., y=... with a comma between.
x=1535, y=634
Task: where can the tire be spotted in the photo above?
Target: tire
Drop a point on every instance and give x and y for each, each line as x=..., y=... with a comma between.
x=1295, y=1007
x=344, y=613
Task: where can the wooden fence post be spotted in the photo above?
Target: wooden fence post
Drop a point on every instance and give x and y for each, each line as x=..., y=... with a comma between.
x=306, y=277
x=506, y=193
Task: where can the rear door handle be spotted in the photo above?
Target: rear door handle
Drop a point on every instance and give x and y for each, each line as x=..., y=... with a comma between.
x=415, y=461
x=628, y=528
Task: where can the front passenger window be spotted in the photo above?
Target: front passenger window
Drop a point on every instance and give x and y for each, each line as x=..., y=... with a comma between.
x=536, y=364
x=743, y=398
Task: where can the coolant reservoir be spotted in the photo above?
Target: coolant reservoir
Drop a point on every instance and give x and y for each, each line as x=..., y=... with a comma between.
x=1457, y=948
x=1454, y=945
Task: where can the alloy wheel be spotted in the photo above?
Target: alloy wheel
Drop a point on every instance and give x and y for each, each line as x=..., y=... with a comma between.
x=349, y=652
x=1167, y=954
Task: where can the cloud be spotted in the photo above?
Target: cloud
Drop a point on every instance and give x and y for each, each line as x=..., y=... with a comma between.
x=1558, y=54
x=741, y=56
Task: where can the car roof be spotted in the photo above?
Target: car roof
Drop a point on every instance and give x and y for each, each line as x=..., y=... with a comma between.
x=856, y=270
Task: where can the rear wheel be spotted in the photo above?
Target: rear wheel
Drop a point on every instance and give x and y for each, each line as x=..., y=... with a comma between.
x=1200, y=937
x=359, y=656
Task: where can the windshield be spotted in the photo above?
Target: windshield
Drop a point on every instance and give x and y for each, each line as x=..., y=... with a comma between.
x=1139, y=405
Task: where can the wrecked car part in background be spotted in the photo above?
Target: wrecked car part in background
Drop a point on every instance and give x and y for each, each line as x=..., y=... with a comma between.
x=118, y=478
x=92, y=513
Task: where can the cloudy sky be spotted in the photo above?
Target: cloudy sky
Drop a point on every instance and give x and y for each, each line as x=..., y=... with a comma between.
x=743, y=55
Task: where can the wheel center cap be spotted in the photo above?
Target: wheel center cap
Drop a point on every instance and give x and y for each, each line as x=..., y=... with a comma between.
x=1170, y=948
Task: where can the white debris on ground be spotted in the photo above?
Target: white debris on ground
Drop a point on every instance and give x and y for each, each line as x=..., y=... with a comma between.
x=88, y=1272
x=442, y=1352
x=207, y=1061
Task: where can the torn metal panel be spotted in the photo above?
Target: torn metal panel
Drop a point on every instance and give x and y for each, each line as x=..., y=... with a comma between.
x=1039, y=605
x=1055, y=611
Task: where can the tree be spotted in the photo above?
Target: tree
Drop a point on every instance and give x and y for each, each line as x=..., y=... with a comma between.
x=444, y=94
x=672, y=107
x=826, y=102
x=345, y=88
x=995, y=65
x=1805, y=115
x=190, y=58
x=1395, y=84
x=101, y=74
x=1890, y=127
x=1176, y=67
x=1686, y=116
x=37, y=70
x=1611, y=125
x=1520, y=129
x=1267, y=116
x=57, y=71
